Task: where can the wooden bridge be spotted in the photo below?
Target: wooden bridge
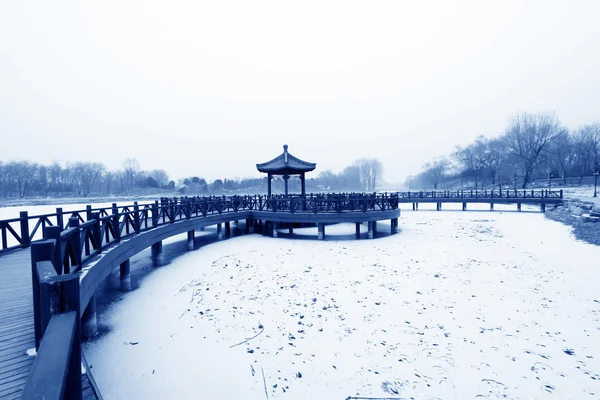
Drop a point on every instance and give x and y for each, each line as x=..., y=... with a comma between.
x=47, y=293
x=491, y=197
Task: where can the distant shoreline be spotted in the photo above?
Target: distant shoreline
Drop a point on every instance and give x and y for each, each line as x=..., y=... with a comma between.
x=79, y=200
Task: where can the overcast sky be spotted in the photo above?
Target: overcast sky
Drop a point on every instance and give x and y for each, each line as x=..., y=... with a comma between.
x=212, y=88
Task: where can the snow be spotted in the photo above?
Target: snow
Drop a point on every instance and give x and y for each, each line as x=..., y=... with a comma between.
x=458, y=305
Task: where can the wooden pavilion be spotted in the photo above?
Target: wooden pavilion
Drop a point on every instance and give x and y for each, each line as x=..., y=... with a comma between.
x=286, y=165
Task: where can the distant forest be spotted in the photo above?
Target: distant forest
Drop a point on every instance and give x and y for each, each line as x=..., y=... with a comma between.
x=532, y=147
x=21, y=179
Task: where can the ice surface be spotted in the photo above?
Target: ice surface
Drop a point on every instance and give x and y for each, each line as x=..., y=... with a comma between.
x=458, y=305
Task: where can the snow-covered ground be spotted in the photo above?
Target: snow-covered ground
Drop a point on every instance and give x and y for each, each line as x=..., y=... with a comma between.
x=458, y=305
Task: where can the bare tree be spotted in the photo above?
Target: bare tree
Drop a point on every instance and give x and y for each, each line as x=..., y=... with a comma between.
x=23, y=174
x=494, y=156
x=472, y=157
x=108, y=179
x=561, y=155
x=54, y=173
x=350, y=177
x=528, y=136
x=160, y=176
x=86, y=174
x=436, y=170
x=370, y=172
x=130, y=167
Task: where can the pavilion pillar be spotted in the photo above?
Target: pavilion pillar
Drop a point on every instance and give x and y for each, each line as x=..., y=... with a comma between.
x=303, y=182
x=286, y=178
x=269, y=186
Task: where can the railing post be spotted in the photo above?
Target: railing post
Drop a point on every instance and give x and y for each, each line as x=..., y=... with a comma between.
x=25, y=228
x=40, y=251
x=115, y=222
x=136, y=216
x=561, y=193
x=96, y=231
x=88, y=212
x=75, y=241
x=60, y=218
x=53, y=232
x=155, y=214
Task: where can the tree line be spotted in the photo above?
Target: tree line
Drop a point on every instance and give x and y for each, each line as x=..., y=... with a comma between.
x=533, y=146
x=20, y=179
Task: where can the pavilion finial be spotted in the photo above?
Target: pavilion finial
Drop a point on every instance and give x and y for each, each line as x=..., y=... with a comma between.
x=285, y=147
x=285, y=153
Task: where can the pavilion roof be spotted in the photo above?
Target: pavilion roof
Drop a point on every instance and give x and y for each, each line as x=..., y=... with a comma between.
x=285, y=164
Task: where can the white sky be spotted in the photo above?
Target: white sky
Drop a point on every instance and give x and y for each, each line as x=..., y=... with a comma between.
x=211, y=88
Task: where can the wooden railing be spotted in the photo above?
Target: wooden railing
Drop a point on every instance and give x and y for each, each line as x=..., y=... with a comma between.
x=484, y=194
x=100, y=227
x=110, y=224
x=56, y=371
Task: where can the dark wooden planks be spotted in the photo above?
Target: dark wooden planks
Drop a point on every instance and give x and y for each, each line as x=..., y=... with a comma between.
x=16, y=322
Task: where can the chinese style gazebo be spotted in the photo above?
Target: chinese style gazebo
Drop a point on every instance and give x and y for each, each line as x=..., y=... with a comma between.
x=286, y=165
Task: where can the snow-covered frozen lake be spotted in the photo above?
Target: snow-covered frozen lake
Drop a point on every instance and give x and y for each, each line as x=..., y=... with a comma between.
x=459, y=305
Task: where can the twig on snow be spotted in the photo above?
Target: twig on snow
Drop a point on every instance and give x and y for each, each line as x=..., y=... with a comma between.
x=373, y=398
x=264, y=382
x=249, y=339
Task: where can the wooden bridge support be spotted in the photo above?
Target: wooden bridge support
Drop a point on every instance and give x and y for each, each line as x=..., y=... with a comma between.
x=358, y=230
x=543, y=207
x=464, y=206
x=291, y=228
x=249, y=225
x=125, y=275
x=491, y=206
x=394, y=226
x=275, y=226
x=415, y=206
x=439, y=206
x=157, y=253
x=89, y=321
x=321, y=228
x=219, y=231
x=518, y=206
x=227, y=229
x=190, y=239
x=371, y=233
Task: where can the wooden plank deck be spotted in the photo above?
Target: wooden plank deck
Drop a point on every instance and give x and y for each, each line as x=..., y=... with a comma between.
x=16, y=326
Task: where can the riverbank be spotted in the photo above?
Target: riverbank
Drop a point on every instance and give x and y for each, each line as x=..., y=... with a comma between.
x=581, y=212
